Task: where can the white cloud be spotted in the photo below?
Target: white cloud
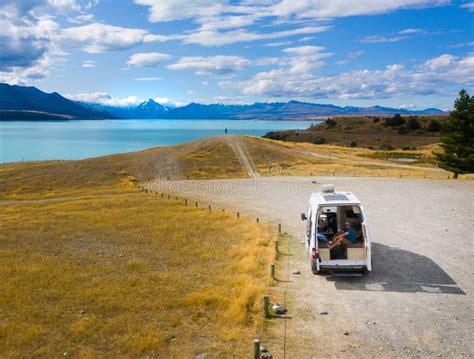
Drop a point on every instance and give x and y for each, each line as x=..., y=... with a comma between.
x=211, y=65
x=216, y=38
x=88, y=64
x=469, y=6
x=166, y=10
x=375, y=39
x=103, y=98
x=278, y=44
x=217, y=11
x=339, y=8
x=394, y=37
x=411, y=31
x=96, y=37
x=436, y=76
x=147, y=59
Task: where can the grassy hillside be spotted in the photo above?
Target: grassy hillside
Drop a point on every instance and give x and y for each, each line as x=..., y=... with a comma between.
x=369, y=132
x=91, y=267
x=209, y=158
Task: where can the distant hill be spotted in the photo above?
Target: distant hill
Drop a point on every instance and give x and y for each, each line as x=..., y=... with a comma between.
x=29, y=103
x=408, y=132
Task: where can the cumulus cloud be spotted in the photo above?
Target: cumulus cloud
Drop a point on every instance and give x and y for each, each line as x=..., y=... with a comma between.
x=97, y=37
x=103, y=98
x=217, y=65
x=147, y=59
x=165, y=10
x=434, y=76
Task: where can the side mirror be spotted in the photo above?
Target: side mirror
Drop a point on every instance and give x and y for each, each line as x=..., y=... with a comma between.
x=303, y=217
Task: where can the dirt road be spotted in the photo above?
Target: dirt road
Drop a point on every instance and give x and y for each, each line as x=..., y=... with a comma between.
x=418, y=301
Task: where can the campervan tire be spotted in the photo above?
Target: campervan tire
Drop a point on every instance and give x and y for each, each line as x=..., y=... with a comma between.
x=314, y=269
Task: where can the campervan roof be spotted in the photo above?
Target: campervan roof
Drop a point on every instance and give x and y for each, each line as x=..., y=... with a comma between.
x=331, y=198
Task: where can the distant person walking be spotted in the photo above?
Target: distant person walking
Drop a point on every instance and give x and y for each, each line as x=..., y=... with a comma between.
x=225, y=130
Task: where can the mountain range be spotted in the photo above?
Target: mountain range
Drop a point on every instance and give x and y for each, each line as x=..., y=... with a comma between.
x=19, y=102
x=29, y=103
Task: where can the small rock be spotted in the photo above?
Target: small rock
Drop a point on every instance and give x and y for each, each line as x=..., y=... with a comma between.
x=202, y=356
x=65, y=354
x=263, y=349
x=266, y=356
x=296, y=271
x=279, y=309
x=345, y=333
x=323, y=312
x=83, y=312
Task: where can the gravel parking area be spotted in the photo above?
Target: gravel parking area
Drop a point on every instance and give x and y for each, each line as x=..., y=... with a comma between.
x=417, y=302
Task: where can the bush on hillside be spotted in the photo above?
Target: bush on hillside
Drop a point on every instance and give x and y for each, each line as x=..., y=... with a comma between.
x=386, y=147
x=394, y=121
x=319, y=141
x=413, y=124
x=434, y=126
x=330, y=122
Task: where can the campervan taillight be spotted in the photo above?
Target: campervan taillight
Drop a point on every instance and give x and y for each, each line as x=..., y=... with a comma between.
x=314, y=254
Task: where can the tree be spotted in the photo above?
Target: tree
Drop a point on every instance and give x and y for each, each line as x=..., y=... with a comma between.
x=458, y=143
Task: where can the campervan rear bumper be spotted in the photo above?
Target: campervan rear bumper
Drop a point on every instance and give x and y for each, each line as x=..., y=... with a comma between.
x=343, y=264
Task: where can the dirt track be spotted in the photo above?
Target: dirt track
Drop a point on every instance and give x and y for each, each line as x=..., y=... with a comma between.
x=419, y=300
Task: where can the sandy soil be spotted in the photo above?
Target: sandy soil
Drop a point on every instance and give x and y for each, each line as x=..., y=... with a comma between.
x=419, y=299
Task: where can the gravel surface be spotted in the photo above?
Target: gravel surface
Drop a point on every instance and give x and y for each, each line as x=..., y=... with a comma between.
x=417, y=302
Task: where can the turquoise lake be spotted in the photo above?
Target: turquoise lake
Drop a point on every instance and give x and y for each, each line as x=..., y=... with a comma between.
x=45, y=140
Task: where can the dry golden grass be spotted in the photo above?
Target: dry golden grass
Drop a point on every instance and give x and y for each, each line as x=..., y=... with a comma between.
x=211, y=161
x=129, y=274
x=295, y=159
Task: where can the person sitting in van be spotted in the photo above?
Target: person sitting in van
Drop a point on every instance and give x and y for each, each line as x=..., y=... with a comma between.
x=321, y=235
x=346, y=236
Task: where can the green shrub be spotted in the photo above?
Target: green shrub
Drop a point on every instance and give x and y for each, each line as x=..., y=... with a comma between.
x=394, y=121
x=434, y=126
x=386, y=147
x=330, y=122
x=413, y=124
x=353, y=144
x=319, y=141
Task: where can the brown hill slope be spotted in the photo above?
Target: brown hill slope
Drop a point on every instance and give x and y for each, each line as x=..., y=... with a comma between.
x=369, y=132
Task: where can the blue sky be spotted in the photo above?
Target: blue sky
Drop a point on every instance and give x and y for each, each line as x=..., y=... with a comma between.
x=401, y=53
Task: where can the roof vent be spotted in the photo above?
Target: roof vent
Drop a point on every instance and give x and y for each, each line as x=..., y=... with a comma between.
x=328, y=188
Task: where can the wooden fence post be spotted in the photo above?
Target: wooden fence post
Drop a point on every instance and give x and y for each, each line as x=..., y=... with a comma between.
x=196, y=204
x=279, y=228
x=256, y=349
x=266, y=305
x=209, y=208
x=238, y=215
x=272, y=271
x=258, y=221
x=185, y=202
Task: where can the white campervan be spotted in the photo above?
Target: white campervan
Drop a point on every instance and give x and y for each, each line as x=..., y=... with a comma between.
x=328, y=212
